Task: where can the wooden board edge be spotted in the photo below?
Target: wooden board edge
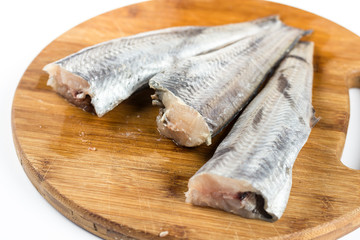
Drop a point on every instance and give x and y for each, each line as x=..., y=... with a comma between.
x=353, y=79
x=331, y=230
x=93, y=223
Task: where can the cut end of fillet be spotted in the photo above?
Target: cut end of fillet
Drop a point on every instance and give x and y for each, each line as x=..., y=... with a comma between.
x=180, y=122
x=238, y=197
x=72, y=87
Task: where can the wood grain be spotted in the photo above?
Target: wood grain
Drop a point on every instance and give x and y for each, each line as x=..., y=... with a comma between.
x=118, y=178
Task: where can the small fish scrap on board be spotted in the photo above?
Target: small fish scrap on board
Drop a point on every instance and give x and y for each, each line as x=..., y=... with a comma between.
x=200, y=95
x=250, y=173
x=100, y=77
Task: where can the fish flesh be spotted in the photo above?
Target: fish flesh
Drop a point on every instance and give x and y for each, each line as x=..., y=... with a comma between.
x=250, y=173
x=202, y=94
x=99, y=77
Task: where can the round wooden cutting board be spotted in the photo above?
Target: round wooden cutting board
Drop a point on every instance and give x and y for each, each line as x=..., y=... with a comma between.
x=118, y=178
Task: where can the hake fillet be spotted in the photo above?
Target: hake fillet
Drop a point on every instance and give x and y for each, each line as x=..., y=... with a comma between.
x=99, y=77
x=250, y=173
x=202, y=94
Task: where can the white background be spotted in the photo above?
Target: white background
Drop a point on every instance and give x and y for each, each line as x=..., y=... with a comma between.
x=26, y=28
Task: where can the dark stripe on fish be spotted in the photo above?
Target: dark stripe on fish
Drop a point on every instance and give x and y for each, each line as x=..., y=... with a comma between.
x=257, y=118
x=224, y=150
x=283, y=87
x=297, y=57
x=283, y=84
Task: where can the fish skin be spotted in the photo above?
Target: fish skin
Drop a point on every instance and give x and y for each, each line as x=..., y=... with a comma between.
x=218, y=85
x=110, y=72
x=258, y=154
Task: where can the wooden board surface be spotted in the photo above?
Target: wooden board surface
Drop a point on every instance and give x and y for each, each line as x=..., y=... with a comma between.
x=133, y=184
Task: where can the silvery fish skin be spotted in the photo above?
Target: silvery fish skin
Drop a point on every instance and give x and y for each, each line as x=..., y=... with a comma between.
x=98, y=78
x=250, y=173
x=202, y=94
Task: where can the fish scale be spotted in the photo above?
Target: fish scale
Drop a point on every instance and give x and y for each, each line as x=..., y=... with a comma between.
x=258, y=154
x=110, y=72
x=218, y=92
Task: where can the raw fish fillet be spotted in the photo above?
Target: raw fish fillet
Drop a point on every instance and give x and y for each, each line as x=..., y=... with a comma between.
x=250, y=173
x=200, y=95
x=99, y=77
